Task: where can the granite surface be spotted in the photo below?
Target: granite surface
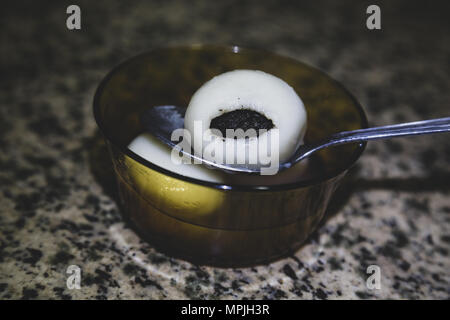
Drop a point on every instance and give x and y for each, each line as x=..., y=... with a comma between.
x=394, y=210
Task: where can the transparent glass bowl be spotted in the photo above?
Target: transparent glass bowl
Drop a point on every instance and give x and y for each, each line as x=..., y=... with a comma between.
x=213, y=223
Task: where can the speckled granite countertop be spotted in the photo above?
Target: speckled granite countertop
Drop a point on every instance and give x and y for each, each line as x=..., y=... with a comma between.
x=394, y=211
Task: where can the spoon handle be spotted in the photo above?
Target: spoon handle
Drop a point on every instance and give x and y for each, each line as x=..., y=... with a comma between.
x=384, y=132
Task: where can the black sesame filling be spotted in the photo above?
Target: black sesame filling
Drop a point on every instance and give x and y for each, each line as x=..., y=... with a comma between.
x=241, y=119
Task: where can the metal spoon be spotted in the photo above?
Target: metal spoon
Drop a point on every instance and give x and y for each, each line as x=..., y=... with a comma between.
x=161, y=121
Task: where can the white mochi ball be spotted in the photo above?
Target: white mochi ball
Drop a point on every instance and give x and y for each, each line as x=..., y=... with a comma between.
x=252, y=90
x=153, y=150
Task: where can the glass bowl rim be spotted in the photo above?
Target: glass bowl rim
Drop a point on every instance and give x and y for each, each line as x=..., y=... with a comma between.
x=216, y=185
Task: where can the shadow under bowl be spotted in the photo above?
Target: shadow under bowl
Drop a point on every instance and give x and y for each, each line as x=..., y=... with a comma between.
x=227, y=225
